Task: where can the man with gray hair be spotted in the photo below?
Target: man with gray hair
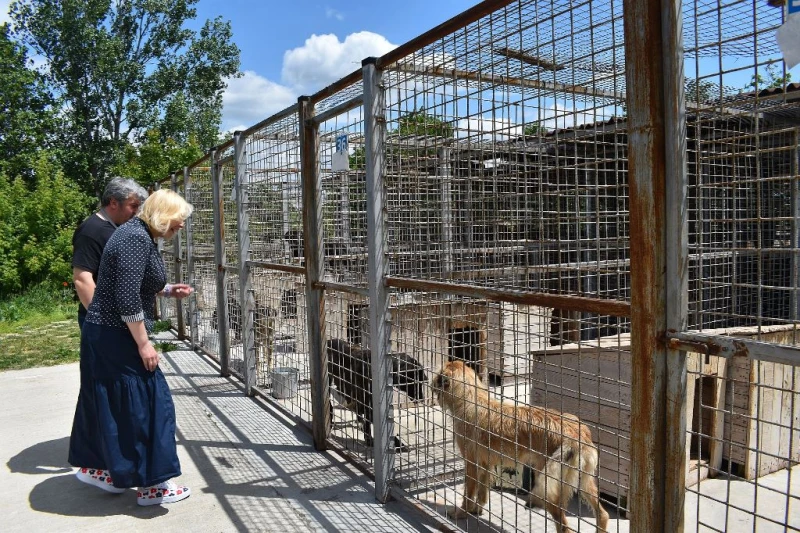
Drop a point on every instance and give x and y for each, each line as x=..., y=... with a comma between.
x=121, y=201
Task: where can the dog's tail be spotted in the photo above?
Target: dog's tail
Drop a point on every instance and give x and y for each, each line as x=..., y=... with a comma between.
x=572, y=466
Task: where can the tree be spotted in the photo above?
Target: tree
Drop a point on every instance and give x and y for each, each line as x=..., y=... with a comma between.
x=773, y=79
x=420, y=123
x=358, y=159
x=532, y=130
x=26, y=114
x=124, y=68
x=36, y=226
x=155, y=158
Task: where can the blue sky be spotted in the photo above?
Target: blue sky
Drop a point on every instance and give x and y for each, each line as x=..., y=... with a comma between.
x=294, y=47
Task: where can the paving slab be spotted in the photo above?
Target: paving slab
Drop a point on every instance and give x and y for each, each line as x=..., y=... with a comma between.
x=252, y=468
x=249, y=467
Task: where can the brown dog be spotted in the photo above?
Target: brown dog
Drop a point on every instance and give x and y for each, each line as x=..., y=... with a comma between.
x=492, y=433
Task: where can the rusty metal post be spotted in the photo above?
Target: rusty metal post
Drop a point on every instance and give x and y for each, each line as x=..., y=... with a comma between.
x=160, y=314
x=246, y=294
x=177, y=248
x=314, y=263
x=378, y=270
x=192, y=277
x=677, y=261
x=656, y=173
x=223, y=346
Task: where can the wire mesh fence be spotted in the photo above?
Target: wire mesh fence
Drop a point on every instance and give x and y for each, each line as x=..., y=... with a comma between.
x=200, y=250
x=436, y=263
x=743, y=424
x=274, y=227
x=489, y=185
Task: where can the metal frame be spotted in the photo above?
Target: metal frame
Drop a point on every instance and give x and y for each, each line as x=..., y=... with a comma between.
x=219, y=259
x=245, y=280
x=177, y=246
x=314, y=261
x=664, y=347
x=193, y=325
x=377, y=238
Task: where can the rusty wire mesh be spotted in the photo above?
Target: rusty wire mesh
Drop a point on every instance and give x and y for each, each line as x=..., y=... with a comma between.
x=274, y=211
x=344, y=243
x=743, y=423
x=203, y=276
x=505, y=169
x=505, y=175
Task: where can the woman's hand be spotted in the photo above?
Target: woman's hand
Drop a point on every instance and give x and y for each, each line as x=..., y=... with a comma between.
x=149, y=356
x=178, y=290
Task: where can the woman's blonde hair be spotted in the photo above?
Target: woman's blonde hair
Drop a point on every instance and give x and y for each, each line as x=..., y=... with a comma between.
x=162, y=208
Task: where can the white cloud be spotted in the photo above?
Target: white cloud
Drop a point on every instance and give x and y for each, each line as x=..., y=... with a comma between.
x=560, y=116
x=333, y=14
x=252, y=98
x=488, y=129
x=323, y=58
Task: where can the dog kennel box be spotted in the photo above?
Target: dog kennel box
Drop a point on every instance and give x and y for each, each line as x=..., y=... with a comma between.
x=735, y=406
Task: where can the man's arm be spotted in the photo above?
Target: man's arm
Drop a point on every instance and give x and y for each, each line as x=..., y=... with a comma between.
x=84, y=285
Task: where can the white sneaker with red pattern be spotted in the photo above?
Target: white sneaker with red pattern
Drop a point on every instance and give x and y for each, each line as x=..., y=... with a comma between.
x=98, y=478
x=166, y=492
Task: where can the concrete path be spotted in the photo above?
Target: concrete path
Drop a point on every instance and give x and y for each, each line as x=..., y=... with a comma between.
x=252, y=469
x=249, y=467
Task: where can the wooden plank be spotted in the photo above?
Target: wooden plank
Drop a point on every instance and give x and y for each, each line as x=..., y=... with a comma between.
x=692, y=365
x=588, y=411
x=785, y=415
x=765, y=414
x=718, y=419
x=751, y=432
x=584, y=386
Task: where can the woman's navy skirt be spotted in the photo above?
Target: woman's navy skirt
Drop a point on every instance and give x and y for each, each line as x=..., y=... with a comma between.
x=125, y=419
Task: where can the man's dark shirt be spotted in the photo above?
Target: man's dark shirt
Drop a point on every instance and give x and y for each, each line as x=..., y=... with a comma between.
x=88, y=243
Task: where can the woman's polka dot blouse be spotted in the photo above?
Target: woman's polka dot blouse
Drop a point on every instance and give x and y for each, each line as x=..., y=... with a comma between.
x=131, y=273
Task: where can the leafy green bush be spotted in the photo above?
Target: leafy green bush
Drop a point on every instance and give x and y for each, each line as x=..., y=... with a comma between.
x=161, y=325
x=36, y=226
x=41, y=299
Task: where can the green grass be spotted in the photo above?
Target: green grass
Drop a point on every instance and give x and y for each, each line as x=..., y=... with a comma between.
x=165, y=346
x=161, y=325
x=39, y=328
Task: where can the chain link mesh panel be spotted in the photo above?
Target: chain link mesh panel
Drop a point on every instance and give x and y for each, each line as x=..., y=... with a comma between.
x=743, y=427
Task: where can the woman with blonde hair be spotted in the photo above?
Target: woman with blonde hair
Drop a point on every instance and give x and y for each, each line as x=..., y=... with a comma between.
x=123, y=434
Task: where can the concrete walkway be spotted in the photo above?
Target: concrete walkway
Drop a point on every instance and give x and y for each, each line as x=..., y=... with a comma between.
x=249, y=467
x=252, y=469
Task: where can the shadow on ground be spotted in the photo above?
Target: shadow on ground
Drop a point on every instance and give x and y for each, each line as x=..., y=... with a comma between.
x=49, y=457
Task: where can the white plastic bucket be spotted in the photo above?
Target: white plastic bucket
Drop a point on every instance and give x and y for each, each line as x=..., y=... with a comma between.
x=284, y=382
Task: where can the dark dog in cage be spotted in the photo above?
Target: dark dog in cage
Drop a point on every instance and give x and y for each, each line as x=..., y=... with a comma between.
x=492, y=433
x=263, y=328
x=295, y=239
x=332, y=247
x=261, y=316
x=350, y=371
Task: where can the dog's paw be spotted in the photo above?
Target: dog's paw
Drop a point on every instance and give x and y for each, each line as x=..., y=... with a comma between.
x=534, y=502
x=399, y=446
x=456, y=513
x=470, y=509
